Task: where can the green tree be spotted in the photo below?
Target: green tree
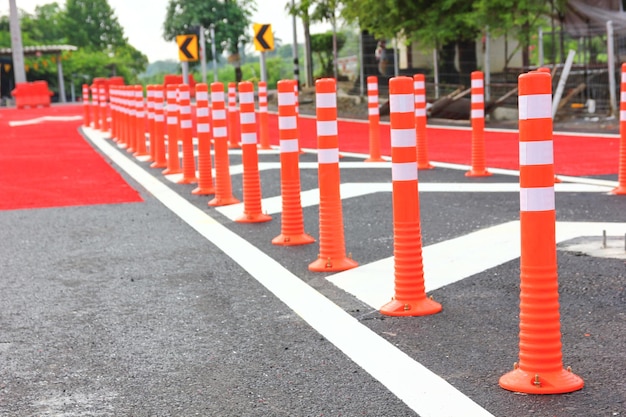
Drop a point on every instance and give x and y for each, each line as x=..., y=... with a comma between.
x=92, y=24
x=519, y=18
x=48, y=27
x=322, y=47
x=230, y=18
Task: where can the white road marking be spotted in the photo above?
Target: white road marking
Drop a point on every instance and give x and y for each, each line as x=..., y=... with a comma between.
x=273, y=205
x=426, y=393
x=44, y=119
x=456, y=259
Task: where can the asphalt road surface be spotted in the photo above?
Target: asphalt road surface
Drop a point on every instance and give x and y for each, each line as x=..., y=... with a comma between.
x=169, y=308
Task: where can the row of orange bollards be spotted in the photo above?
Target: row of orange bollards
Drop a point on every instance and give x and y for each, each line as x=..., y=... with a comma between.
x=540, y=368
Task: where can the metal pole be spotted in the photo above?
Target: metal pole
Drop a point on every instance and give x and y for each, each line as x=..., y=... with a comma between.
x=185, y=67
x=296, y=67
x=540, y=47
x=62, y=97
x=436, y=68
x=559, y=89
x=262, y=65
x=361, y=67
x=396, y=64
x=202, y=54
x=72, y=90
x=610, y=49
x=16, y=44
x=212, y=28
x=487, y=69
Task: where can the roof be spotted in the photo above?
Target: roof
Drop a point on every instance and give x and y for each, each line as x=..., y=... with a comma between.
x=41, y=49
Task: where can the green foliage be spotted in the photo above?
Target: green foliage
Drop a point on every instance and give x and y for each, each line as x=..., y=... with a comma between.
x=91, y=25
x=322, y=47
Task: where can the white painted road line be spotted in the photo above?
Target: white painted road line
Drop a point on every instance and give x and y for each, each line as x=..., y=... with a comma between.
x=456, y=259
x=273, y=205
x=423, y=391
x=44, y=119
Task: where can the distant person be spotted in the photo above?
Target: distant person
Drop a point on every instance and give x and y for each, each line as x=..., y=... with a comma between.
x=381, y=57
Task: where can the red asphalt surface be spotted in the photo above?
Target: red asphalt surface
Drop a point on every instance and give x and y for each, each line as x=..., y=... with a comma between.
x=49, y=164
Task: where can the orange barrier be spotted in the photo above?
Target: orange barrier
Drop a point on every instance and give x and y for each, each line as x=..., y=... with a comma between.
x=292, y=224
x=34, y=94
x=540, y=369
x=160, y=160
x=233, y=116
x=104, y=108
x=621, y=177
x=140, y=123
x=86, y=104
x=203, y=128
x=113, y=103
x=132, y=128
x=410, y=296
x=263, y=123
x=173, y=162
x=95, y=92
x=150, y=114
x=478, y=126
x=373, y=114
x=548, y=71
x=126, y=119
x=119, y=114
x=223, y=186
x=186, y=136
x=419, y=87
x=297, y=104
x=252, y=212
x=176, y=80
x=332, y=256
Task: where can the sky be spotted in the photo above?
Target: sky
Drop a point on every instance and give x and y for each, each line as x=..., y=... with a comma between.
x=142, y=21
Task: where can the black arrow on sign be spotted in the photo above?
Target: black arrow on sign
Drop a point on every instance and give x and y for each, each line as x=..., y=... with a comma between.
x=183, y=47
x=259, y=37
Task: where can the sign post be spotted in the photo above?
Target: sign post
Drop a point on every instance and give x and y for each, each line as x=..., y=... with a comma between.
x=263, y=41
x=187, y=51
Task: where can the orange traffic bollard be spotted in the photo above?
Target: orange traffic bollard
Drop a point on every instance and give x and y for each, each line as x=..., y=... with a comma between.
x=478, y=126
x=95, y=105
x=621, y=177
x=410, y=295
x=160, y=160
x=186, y=136
x=252, y=212
x=104, y=125
x=540, y=369
x=233, y=116
x=373, y=115
x=264, y=135
x=173, y=162
x=140, y=145
x=150, y=114
x=132, y=128
x=548, y=71
x=122, y=116
x=113, y=100
x=223, y=186
x=292, y=224
x=203, y=128
x=86, y=104
x=297, y=104
x=332, y=256
x=419, y=87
